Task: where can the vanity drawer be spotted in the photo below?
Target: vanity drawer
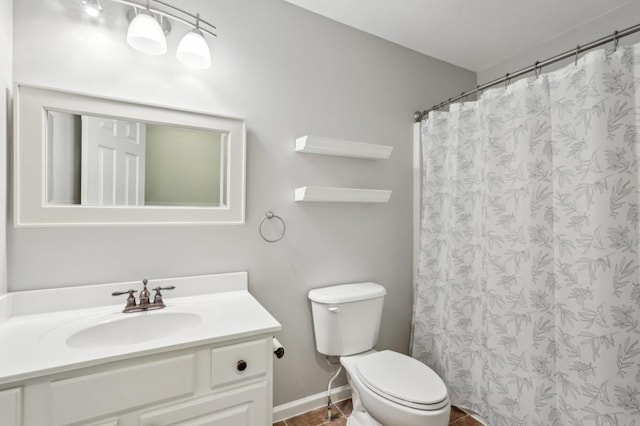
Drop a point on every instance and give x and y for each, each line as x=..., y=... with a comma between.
x=10, y=407
x=86, y=397
x=238, y=362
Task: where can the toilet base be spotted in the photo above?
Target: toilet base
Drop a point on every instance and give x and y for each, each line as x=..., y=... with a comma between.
x=359, y=416
x=361, y=421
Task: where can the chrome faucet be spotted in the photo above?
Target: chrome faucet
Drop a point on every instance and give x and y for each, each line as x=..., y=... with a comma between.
x=144, y=304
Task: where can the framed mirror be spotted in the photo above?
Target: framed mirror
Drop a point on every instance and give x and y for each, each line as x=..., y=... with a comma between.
x=83, y=160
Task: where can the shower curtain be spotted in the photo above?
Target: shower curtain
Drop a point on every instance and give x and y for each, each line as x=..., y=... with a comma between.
x=528, y=294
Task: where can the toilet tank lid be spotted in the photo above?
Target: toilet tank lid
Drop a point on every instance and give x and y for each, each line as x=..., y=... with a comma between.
x=345, y=293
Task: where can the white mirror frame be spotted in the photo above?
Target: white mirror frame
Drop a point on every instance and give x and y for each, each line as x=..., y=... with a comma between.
x=29, y=162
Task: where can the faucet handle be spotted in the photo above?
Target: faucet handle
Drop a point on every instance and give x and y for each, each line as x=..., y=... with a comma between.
x=157, y=298
x=131, y=300
x=171, y=287
x=120, y=293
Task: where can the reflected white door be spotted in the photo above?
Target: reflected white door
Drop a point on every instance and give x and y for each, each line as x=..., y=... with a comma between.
x=113, y=162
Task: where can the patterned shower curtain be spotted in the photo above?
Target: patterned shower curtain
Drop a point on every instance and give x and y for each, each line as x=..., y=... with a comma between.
x=528, y=296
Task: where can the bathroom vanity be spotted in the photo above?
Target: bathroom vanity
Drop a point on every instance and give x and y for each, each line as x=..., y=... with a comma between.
x=205, y=359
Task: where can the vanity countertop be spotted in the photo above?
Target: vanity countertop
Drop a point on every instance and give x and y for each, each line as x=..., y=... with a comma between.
x=35, y=340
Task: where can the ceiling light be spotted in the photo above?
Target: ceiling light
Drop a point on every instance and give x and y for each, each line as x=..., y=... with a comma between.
x=193, y=50
x=92, y=8
x=145, y=34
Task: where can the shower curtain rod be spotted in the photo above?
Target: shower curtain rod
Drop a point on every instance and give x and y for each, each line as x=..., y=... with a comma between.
x=617, y=35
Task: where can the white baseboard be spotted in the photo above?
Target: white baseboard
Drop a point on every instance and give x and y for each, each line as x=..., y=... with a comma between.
x=308, y=403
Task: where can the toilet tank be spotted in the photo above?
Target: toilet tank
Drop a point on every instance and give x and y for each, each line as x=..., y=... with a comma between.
x=346, y=318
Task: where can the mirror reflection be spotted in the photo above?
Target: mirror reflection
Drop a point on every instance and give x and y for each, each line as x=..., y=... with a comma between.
x=106, y=161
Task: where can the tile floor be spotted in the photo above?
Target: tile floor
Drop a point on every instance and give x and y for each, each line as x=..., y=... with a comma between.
x=342, y=410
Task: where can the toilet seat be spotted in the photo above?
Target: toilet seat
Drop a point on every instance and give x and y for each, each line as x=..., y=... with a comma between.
x=403, y=380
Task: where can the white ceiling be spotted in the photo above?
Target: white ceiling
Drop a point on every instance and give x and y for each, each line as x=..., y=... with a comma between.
x=474, y=34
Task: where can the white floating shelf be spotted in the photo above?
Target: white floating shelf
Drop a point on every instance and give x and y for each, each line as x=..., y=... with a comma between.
x=342, y=195
x=342, y=148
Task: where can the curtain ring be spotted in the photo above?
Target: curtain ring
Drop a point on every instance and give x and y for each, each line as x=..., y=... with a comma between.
x=577, y=51
x=536, y=69
x=478, y=91
x=616, y=39
x=506, y=80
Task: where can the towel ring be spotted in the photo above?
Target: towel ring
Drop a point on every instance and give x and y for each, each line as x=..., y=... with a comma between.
x=269, y=215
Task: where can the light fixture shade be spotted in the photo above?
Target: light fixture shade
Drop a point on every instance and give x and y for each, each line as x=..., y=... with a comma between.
x=193, y=50
x=146, y=35
x=93, y=8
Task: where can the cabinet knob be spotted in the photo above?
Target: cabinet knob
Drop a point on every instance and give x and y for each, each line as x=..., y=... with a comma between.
x=242, y=365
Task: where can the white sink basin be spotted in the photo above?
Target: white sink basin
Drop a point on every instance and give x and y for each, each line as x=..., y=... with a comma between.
x=133, y=328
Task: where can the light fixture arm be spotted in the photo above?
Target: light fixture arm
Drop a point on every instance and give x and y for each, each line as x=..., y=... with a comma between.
x=167, y=5
x=198, y=21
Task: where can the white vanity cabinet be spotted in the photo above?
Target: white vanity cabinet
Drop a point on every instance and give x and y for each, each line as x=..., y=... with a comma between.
x=205, y=359
x=228, y=384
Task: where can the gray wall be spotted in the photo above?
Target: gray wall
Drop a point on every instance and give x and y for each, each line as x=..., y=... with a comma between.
x=623, y=17
x=290, y=73
x=6, y=85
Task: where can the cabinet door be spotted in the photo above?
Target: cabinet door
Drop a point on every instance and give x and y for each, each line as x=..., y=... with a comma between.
x=10, y=407
x=83, y=398
x=244, y=406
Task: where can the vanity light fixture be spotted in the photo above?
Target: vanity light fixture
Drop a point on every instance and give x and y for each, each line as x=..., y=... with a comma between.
x=93, y=8
x=193, y=50
x=150, y=23
x=145, y=34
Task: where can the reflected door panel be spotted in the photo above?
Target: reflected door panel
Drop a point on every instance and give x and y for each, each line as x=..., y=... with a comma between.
x=113, y=154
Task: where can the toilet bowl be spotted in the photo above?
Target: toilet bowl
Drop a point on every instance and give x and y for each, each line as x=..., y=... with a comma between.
x=392, y=389
x=388, y=388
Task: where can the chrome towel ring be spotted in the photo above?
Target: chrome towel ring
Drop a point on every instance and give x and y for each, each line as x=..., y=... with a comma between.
x=270, y=215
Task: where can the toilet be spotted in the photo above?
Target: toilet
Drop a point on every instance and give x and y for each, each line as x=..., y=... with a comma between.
x=388, y=388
